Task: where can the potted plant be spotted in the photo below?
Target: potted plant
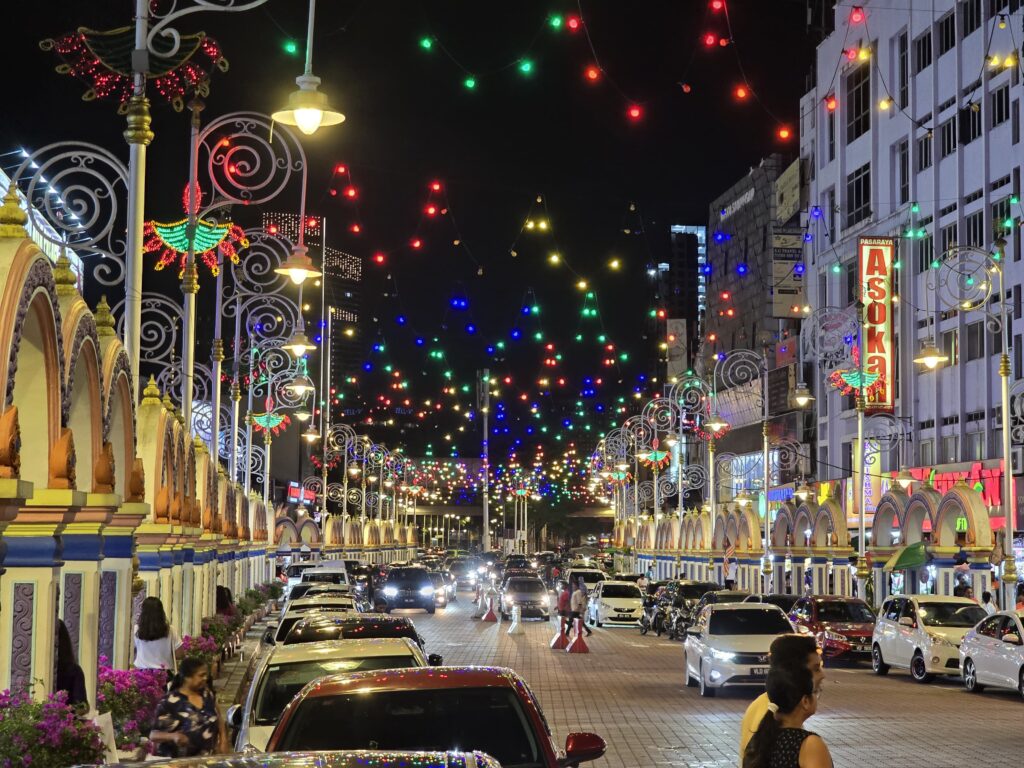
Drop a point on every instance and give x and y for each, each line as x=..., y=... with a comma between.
x=202, y=647
x=131, y=697
x=46, y=734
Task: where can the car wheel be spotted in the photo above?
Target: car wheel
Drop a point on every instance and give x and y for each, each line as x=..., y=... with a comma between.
x=504, y=616
x=690, y=682
x=705, y=690
x=1020, y=682
x=970, y=677
x=919, y=670
x=878, y=666
x=430, y=609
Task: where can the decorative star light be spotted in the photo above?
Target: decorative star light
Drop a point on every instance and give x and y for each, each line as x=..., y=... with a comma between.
x=654, y=458
x=271, y=422
x=172, y=242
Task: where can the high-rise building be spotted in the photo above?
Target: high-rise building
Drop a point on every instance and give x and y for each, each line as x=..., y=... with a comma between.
x=684, y=296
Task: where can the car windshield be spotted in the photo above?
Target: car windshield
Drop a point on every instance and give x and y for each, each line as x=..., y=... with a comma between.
x=589, y=577
x=437, y=579
x=620, y=590
x=767, y=621
x=840, y=611
x=321, y=629
x=329, y=577
x=490, y=720
x=462, y=566
x=525, y=585
x=281, y=682
x=950, y=614
x=295, y=571
x=408, y=576
x=694, y=591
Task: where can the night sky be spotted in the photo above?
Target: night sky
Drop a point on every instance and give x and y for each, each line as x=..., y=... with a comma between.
x=410, y=120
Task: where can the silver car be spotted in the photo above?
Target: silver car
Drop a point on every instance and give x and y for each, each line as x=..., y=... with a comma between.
x=529, y=594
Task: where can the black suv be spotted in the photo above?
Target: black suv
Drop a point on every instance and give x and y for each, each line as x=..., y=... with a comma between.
x=407, y=587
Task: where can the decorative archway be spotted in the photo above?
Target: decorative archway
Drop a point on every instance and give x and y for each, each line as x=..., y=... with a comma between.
x=83, y=398
x=962, y=502
x=890, y=515
x=920, y=515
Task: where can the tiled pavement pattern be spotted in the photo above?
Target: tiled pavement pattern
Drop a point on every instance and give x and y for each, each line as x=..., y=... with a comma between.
x=630, y=689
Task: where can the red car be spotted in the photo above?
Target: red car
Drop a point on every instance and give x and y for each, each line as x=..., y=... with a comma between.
x=489, y=709
x=842, y=625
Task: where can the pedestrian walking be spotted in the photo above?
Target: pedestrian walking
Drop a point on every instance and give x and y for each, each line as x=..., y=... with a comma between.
x=987, y=604
x=157, y=646
x=69, y=678
x=188, y=722
x=578, y=607
x=787, y=653
x=564, y=610
x=781, y=741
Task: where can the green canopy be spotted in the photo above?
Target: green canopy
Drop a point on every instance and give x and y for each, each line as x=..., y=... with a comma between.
x=913, y=556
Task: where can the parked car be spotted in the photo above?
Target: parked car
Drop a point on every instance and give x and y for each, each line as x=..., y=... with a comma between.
x=349, y=626
x=294, y=574
x=922, y=633
x=529, y=594
x=304, y=588
x=993, y=653
x=276, y=633
x=713, y=597
x=329, y=573
x=440, y=588
x=728, y=645
x=332, y=599
x=784, y=601
x=360, y=759
x=841, y=625
x=491, y=708
x=286, y=670
x=591, y=577
x=616, y=603
x=407, y=587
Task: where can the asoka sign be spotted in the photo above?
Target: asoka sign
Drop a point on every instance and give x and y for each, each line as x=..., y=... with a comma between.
x=876, y=280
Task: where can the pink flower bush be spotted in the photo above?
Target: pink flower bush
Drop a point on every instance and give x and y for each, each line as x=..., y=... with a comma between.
x=45, y=734
x=201, y=647
x=131, y=697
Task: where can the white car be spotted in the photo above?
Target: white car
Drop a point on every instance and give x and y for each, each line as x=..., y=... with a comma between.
x=616, y=603
x=284, y=672
x=728, y=645
x=276, y=632
x=922, y=633
x=993, y=653
x=327, y=573
x=591, y=577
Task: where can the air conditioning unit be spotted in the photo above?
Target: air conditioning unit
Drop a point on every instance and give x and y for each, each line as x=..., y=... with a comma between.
x=1017, y=459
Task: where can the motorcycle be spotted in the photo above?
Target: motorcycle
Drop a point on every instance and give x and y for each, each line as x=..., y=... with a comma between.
x=655, y=617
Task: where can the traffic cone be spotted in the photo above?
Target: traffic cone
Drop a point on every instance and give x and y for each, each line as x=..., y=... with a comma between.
x=490, y=615
x=578, y=645
x=559, y=641
x=516, y=628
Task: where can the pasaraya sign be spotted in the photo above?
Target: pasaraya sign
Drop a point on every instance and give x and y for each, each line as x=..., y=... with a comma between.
x=877, y=255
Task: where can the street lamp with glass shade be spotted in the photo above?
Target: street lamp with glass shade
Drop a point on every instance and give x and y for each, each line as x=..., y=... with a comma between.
x=308, y=108
x=298, y=266
x=904, y=478
x=802, y=395
x=299, y=344
x=804, y=491
x=303, y=415
x=300, y=385
x=716, y=423
x=311, y=435
x=930, y=356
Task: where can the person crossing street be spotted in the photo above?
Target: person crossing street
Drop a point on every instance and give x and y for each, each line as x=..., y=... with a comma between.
x=578, y=607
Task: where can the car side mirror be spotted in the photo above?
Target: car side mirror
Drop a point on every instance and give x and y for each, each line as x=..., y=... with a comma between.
x=1012, y=638
x=906, y=621
x=581, y=747
x=234, y=716
x=268, y=636
x=695, y=631
x=435, y=659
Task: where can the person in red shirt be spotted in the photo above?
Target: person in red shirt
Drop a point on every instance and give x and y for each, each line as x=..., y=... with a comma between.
x=563, y=608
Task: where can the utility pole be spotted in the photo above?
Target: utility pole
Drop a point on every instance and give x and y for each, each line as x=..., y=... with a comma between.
x=484, y=404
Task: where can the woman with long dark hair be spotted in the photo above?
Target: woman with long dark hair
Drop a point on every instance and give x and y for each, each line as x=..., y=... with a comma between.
x=188, y=722
x=70, y=677
x=781, y=741
x=157, y=646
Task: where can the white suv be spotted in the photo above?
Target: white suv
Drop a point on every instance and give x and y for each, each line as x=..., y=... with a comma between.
x=922, y=633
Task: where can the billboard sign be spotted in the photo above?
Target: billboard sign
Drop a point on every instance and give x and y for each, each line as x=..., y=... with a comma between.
x=877, y=255
x=787, y=274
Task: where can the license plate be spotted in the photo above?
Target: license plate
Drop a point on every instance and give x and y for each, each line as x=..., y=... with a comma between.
x=759, y=671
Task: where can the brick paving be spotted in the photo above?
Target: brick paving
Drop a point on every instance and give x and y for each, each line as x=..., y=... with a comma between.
x=630, y=689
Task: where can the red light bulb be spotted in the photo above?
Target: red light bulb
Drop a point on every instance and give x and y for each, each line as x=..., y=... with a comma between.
x=686, y=87
x=851, y=53
x=710, y=40
x=741, y=92
x=831, y=103
x=717, y=5
x=592, y=73
x=354, y=228
x=435, y=186
x=379, y=257
x=430, y=210
x=351, y=192
x=573, y=23
x=339, y=168
x=723, y=41
x=635, y=112
x=857, y=15
x=334, y=193
x=311, y=222
x=272, y=229
x=416, y=243
x=784, y=133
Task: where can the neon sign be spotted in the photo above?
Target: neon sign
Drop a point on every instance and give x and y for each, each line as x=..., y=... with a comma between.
x=876, y=280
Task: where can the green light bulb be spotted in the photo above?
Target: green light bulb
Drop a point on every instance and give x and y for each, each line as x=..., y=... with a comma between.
x=535, y=310
x=1014, y=200
x=579, y=337
x=538, y=336
x=1008, y=224
x=602, y=338
x=915, y=208
x=426, y=43
x=469, y=83
x=526, y=66
x=555, y=21
x=897, y=264
x=836, y=268
x=935, y=264
x=291, y=47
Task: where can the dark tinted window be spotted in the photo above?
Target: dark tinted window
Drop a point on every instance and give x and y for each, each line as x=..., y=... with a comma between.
x=486, y=719
x=590, y=578
x=619, y=590
x=694, y=591
x=950, y=614
x=835, y=611
x=525, y=585
x=333, y=577
x=785, y=602
x=319, y=628
x=753, y=622
x=294, y=571
x=891, y=610
x=281, y=682
x=990, y=627
x=417, y=576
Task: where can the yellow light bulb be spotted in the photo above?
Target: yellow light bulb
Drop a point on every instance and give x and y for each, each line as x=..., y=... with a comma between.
x=582, y=285
x=863, y=54
x=1009, y=61
x=554, y=258
x=884, y=104
x=614, y=263
x=994, y=61
x=543, y=224
x=530, y=224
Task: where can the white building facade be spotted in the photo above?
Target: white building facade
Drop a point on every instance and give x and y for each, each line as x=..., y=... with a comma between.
x=912, y=131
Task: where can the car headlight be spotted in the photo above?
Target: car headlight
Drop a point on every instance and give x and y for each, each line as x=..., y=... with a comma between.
x=390, y=591
x=546, y=601
x=533, y=563
x=439, y=591
x=833, y=637
x=426, y=591
x=472, y=577
x=481, y=569
x=722, y=655
x=939, y=640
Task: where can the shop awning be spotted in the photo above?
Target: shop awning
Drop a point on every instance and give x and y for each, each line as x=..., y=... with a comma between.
x=913, y=556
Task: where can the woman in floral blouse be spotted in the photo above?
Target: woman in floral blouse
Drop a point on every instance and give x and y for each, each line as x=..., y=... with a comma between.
x=188, y=722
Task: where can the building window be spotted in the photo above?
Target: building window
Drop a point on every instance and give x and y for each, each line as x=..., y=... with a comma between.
x=831, y=126
x=903, y=160
x=1000, y=105
x=947, y=33
x=947, y=238
x=851, y=282
x=950, y=347
x=1014, y=122
x=947, y=138
x=1002, y=222
x=922, y=52
x=904, y=70
x=831, y=197
x=995, y=343
x=995, y=6
x=858, y=195
x=975, y=443
x=975, y=225
x=925, y=253
x=970, y=16
x=927, y=448
x=924, y=152
x=975, y=341
x=858, y=102
x=970, y=123
x=949, y=449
